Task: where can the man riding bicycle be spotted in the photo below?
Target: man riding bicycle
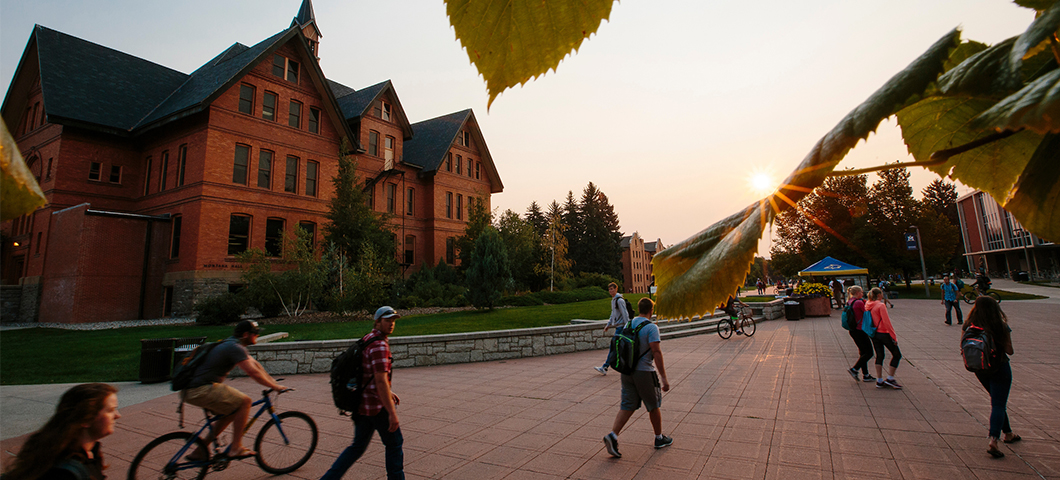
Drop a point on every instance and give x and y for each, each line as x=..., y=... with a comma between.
x=982, y=282
x=732, y=308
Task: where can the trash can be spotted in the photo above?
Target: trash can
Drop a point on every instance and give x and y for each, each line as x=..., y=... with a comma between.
x=792, y=309
x=1024, y=277
x=156, y=359
x=182, y=347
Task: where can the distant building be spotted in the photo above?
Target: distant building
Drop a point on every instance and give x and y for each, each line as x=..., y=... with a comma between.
x=996, y=242
x=637, y=274
x=155, y=179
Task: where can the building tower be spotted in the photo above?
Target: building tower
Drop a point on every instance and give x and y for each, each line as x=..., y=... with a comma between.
x=307, y=21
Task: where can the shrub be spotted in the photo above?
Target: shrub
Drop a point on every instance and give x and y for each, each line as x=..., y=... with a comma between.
x=220, y=310
x=581, y=294
x=521, y=301
x=589, y=279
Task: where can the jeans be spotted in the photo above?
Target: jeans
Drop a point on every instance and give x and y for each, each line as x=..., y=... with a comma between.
x=611, y=352
x=364, y=426
x=955, y=304
x=998, y=383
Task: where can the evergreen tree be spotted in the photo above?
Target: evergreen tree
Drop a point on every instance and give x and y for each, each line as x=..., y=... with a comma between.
x=536, y=218
x=352, y=225
x=599, y=247
x=941, y=197
x=572, y=219
x=478, y=218
x=523, y=245
x=489, y=274
x=892, y=209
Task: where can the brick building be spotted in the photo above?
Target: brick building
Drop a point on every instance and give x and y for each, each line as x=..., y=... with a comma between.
x=637, y=274
x=156, y=179
x=996, y=242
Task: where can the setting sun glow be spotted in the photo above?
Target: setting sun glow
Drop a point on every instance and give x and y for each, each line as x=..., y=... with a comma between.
x=761, y=183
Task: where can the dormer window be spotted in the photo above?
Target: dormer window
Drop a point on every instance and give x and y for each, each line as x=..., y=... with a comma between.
x=464, y=138
x=284, y=67
x=382, y=110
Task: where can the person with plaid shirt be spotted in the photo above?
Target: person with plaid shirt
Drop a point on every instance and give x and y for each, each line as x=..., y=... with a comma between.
x=378, y=410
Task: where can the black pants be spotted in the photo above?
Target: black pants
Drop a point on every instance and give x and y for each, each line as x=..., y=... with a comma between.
x=885, y=340
x=864, y=343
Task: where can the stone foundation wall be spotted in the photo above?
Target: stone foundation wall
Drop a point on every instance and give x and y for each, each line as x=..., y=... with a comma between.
x=10, y=299
x=29, y=305
x=187, y=293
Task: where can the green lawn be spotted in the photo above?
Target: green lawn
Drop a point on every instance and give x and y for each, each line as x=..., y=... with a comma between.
x=48, y=355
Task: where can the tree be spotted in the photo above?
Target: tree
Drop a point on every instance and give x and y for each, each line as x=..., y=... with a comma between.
x=573, y=220
x=940, y=196
x=478, y=218
x=489, y=274
x=553, y=262
x=599, y=247
x=352, y=225
x=892, y=210
x=536, y=218
x=523, y=245
x=290, y=290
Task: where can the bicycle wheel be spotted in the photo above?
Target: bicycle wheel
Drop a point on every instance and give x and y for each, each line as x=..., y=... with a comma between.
x=747, y=325
x=995, y=296
x=283, y=447
x=159, y=460
x=725, y=328
x=969, y=297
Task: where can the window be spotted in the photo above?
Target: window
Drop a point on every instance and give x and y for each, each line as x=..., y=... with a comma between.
x=311, y=178
x=382, y=110
x=238, y=234
x=369, y=186
x=450, y=250
x=182, y=161
x=281, y=64
x=174, y=241
x=295, y=118
x=94, y=171
x=246, y=99
x=469, y=173
x=388, y=148
x=311, y=232
x=449, y=161
x=147, y=179
x=268, y=107
x=274, y=236
x=448, y=204
x=36, y=245
x=467, y=138
x=477, y=164
x=239, y=169
x=314, y=120
x=463, y=138
x=391, y=194
x=459, y=165
x=163, y=175
x=373, y=143
x=290, y=179
x=410, y=249
x=410, y=201
x=459, y=207
x=265, y=169
x=115, y=174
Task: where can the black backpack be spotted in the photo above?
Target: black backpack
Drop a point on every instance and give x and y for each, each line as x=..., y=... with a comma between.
x=347, y=369
x=629, y=309
x=627, y=353
x=185, y=372
x=977, y=348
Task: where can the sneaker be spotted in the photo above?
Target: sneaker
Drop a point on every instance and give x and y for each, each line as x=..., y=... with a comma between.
x=663, y=442
x=879, y=384
x=853, y=373
x=611, y=442
x=892, y=383
x=602, y=370
x=868, y=378
x=951, y=323
x=739, y=332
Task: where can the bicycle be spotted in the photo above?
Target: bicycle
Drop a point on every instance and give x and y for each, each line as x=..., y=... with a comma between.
x=970, y=295
x=283, y=445
x=743, y=324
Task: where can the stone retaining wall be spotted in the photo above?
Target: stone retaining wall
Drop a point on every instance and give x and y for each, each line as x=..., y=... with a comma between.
x=10, y=303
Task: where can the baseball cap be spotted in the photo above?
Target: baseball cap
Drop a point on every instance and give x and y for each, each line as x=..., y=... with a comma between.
x=246, y=326
x=385, y=312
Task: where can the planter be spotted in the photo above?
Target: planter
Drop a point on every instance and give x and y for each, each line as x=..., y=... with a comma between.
x=817, y=306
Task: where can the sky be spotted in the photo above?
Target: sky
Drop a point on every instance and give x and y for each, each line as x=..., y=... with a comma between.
x=670, y=108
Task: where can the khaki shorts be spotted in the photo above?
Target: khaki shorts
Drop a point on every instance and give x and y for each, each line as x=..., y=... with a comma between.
x=215, y=397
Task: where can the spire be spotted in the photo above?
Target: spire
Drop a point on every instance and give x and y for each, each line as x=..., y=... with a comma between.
x=307, y=21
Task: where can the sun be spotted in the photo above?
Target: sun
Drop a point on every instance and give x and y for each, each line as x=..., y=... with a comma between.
x=761, y=182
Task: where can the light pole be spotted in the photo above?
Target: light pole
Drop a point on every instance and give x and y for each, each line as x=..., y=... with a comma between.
x=923, y=267
x=1024, y=239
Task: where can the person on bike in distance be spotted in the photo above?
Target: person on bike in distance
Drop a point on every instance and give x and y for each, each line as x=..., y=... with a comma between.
x=982, y=282
x=207, y=388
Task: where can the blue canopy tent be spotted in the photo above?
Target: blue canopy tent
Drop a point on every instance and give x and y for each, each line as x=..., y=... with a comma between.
x=830, y=267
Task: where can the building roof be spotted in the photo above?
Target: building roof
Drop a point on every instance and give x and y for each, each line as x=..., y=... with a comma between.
x=306, y=16
x=355, y=103
x=428, y=149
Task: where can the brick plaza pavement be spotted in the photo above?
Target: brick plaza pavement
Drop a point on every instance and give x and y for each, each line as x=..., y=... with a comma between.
x=777, y=405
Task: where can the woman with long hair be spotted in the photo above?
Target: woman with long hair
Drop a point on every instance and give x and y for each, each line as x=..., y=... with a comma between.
x=67, y=447
x=861, y=339
x=987, y=315
x=884, y=338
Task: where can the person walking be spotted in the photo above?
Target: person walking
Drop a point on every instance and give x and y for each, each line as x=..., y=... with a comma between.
x=68, y=447
x=884, y=338
x=837, y=292
x=619, y=317
x=861, y=339
x=643, y=385
x=950, y=298
x=987, y=315
x=207, y=389
x=378, y=409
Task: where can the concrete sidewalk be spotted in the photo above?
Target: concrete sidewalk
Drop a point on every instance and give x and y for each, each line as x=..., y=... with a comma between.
x=777, y=405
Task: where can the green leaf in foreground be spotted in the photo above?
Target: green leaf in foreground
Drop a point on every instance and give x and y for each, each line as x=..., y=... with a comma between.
x=1035, y=107
x=1041, y=30
x=700, y=272
x=20, y=192
x=512, y=42
x=1035, y=199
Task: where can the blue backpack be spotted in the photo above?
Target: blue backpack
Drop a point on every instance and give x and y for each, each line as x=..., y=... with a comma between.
x=866, y=324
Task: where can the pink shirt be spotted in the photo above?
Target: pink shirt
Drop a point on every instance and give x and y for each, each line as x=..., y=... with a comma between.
x=880, y=319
